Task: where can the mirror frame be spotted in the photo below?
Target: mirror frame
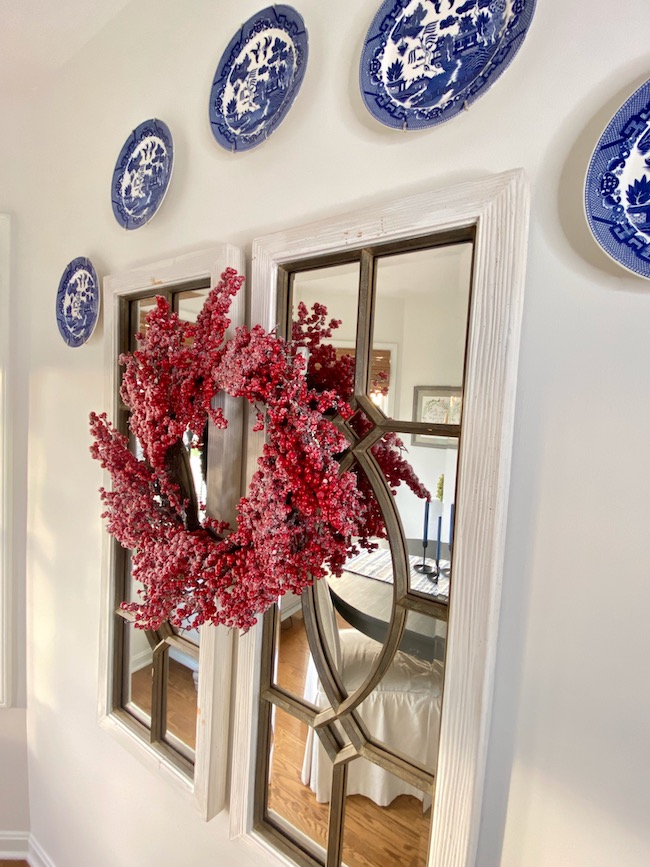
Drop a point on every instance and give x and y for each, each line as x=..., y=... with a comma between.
x=207, y=789
x=498, y=207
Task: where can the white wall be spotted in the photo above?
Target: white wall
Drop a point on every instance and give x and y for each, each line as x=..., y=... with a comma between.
x=569, y=752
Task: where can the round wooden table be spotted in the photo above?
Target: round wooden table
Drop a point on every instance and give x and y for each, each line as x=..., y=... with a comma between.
x=367, y=604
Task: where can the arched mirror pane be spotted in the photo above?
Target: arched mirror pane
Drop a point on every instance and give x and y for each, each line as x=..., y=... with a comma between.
x=420, y=317
x=383, y=825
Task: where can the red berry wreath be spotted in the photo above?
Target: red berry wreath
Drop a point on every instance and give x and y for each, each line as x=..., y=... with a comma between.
x=301, y=517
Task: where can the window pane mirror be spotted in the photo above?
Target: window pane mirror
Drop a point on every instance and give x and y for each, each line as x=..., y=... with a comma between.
x=165, y=693
x=382, y=682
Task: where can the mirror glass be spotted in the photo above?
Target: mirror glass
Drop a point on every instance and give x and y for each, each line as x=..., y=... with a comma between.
x=293, y=668
x=395, y=831
x=188, y=304
x=337, y=289
x=289, y=799
x=137, y=673
x=141, y=308
x=182, y=686
x=420, y=323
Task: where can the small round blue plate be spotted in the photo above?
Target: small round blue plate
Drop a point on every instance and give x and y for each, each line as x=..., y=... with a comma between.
x=77, y=302
x=258, y=78
x=423, y=61
x=617, y=189
x=142, y=174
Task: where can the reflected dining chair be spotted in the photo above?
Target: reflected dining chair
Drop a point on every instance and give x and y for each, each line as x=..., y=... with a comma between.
x=402, y=712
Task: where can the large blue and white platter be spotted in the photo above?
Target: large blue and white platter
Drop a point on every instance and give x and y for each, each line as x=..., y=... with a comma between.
x=617, y=189
x=142, y=173
x=258, y=78
x=424, y=61
x=77, y=301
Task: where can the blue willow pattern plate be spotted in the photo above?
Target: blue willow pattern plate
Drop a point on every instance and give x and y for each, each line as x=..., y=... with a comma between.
x=77, y=302
x=142, y=174
x=423, y=61
x=617, y=189
x=258, y=78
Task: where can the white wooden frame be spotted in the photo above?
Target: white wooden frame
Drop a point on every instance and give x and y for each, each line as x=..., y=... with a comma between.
x=208, y=788
x=5, y=469
x=498, y=206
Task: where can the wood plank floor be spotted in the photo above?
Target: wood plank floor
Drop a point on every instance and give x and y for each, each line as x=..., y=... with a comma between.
x=394, y=836
x=181, y=699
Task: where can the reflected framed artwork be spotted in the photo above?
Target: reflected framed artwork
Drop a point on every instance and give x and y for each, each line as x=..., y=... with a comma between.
x=438, y=404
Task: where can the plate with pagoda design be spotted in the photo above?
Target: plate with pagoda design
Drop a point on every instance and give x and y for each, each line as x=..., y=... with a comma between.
x=142, y=174
x=424, y=61
x=617, y=188
x=258, y=78
x=77, y=301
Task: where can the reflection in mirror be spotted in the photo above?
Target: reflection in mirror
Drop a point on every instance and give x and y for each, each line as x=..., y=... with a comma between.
x=421, y=313
x=182, y=682
x=189, y=303
x=288, y=801
x=428, y=525
x=402, y=713
x=132, y=586
x=390, y=828
x=337, y=288
x=142, y=307
x=293, y=668
x=137, y=673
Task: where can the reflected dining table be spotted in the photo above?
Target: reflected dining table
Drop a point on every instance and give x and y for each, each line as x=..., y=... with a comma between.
x=363, y=596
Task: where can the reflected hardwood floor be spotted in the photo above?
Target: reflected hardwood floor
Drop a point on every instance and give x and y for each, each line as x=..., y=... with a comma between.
x=374, y=836
x=181, y=699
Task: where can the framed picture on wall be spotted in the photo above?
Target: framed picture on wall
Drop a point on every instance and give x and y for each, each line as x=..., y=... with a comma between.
x=437, y=404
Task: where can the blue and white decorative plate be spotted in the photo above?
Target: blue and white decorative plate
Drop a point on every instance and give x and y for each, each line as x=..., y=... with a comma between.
x=142, y=174
x=258, y=78
x=617, y=189
x=77, y=302
x=423, y=61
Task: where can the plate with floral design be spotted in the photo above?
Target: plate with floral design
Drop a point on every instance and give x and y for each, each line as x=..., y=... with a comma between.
x=423, y=61
x=617, y=189
x=142, y=173
x=77, y=302
x=258, y=78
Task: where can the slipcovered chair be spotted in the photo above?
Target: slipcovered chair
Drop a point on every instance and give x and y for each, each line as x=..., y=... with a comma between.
x=402, y=712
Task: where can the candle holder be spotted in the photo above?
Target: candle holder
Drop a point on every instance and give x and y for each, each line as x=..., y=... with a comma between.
x=425, y=568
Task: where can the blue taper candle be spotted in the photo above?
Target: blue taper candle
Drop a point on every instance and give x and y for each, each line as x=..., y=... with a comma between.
x=451, y=527
x=425, y=532
x=439, y=535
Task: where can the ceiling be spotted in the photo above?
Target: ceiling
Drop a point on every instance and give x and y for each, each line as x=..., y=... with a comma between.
x=37, y=37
